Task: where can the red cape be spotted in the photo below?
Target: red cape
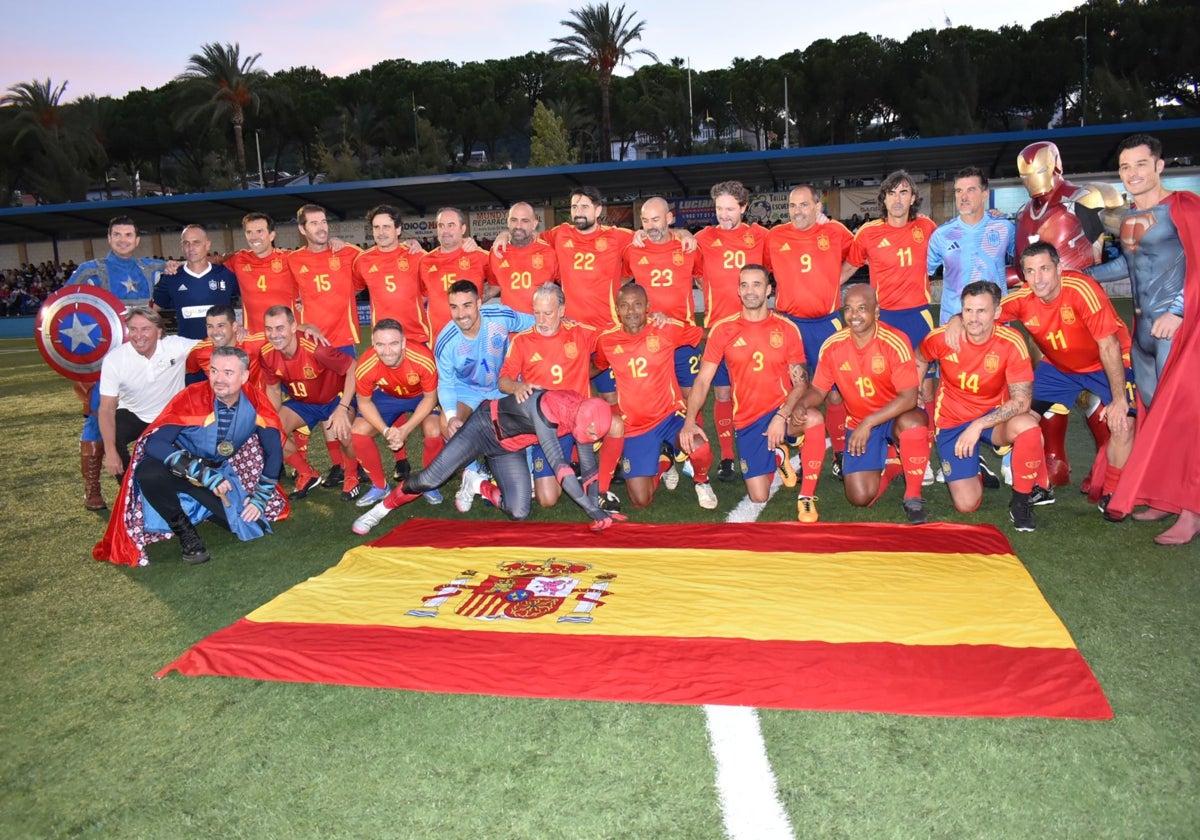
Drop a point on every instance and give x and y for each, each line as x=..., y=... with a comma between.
x=123, y=542
x=1163, y=470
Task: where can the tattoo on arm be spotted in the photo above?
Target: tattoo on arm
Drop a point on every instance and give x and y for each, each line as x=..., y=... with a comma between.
x=1021, y=394
x=798, y=374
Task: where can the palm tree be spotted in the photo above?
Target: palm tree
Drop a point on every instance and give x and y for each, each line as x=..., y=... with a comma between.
x=38, y=107
x=600, y=38
x=226, y=86
x=53, y=149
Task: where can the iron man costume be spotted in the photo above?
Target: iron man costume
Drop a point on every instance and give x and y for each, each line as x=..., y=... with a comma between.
x=1073, y=219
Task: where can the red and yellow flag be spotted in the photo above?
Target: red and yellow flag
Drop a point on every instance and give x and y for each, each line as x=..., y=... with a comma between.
x=937, y=620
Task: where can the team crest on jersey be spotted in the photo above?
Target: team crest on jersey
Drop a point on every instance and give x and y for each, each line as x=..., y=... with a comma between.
x=571, y=350
x=309, y=373
x=653, y=344
x=748, y=240
x=602, y=244
x=1067, y=314
x=402, y=264
x=276, y=265
x=776, y=339
x=538, y=261
x=823, y=242
x=878, y=364
x=522, y=591
x=991, y=363
x=993, y=238
x=413, y=378
x=464, y=262
x=539, y=464
x=918, y=235
x=335, y=263
x=677, y=259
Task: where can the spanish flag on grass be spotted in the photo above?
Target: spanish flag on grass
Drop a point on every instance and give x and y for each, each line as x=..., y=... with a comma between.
x=937, y=620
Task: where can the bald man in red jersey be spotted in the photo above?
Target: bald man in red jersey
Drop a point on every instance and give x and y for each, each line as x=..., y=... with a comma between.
x=526, y=264
x=666, y=272
x=450, y=262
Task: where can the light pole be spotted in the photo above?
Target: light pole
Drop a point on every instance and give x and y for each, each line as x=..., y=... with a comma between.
x=262, y=179
x=787, y=117
x=416, y=109
x=1083, y=85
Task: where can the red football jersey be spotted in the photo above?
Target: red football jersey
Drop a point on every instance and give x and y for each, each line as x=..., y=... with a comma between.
x=976, y=378
x=807, y=265
x=589, y=268
x=644, y=367
x=415, y=376
x=326, y=288
x=870, y=377
x=520, y=271
x=559, y=362
x=757, y=354
x=394, y=283
x=200, y=357
x=1066, y=329
x=666, y=273
x=263, y=282
x=724, y=253
x=439, y=270
x=315, y=374
x=896, y=259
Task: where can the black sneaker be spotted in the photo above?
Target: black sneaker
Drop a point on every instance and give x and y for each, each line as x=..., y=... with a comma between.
x=302, y=489
x=402, y=471
x=1041, y=496
x=363, y=475
x=837, y=466
x=1020, y=511
x=354, y=492
x=990, y=480
x=725, y=471
x=914, y=509
x=1109, y=517
x=610, y=502
x=334, y=477
x=190, y=544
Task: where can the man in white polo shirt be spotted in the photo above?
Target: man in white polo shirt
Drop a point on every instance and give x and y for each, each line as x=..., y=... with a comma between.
x=137, y=379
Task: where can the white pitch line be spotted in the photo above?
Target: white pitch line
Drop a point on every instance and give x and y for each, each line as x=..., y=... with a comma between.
x=746, y=786
x=750, y=806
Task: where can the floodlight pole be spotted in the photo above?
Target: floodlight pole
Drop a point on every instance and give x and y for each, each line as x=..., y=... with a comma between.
x=262, y=179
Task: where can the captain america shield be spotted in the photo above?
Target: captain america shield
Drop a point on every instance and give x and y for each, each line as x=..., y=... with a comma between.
x=76, y=327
